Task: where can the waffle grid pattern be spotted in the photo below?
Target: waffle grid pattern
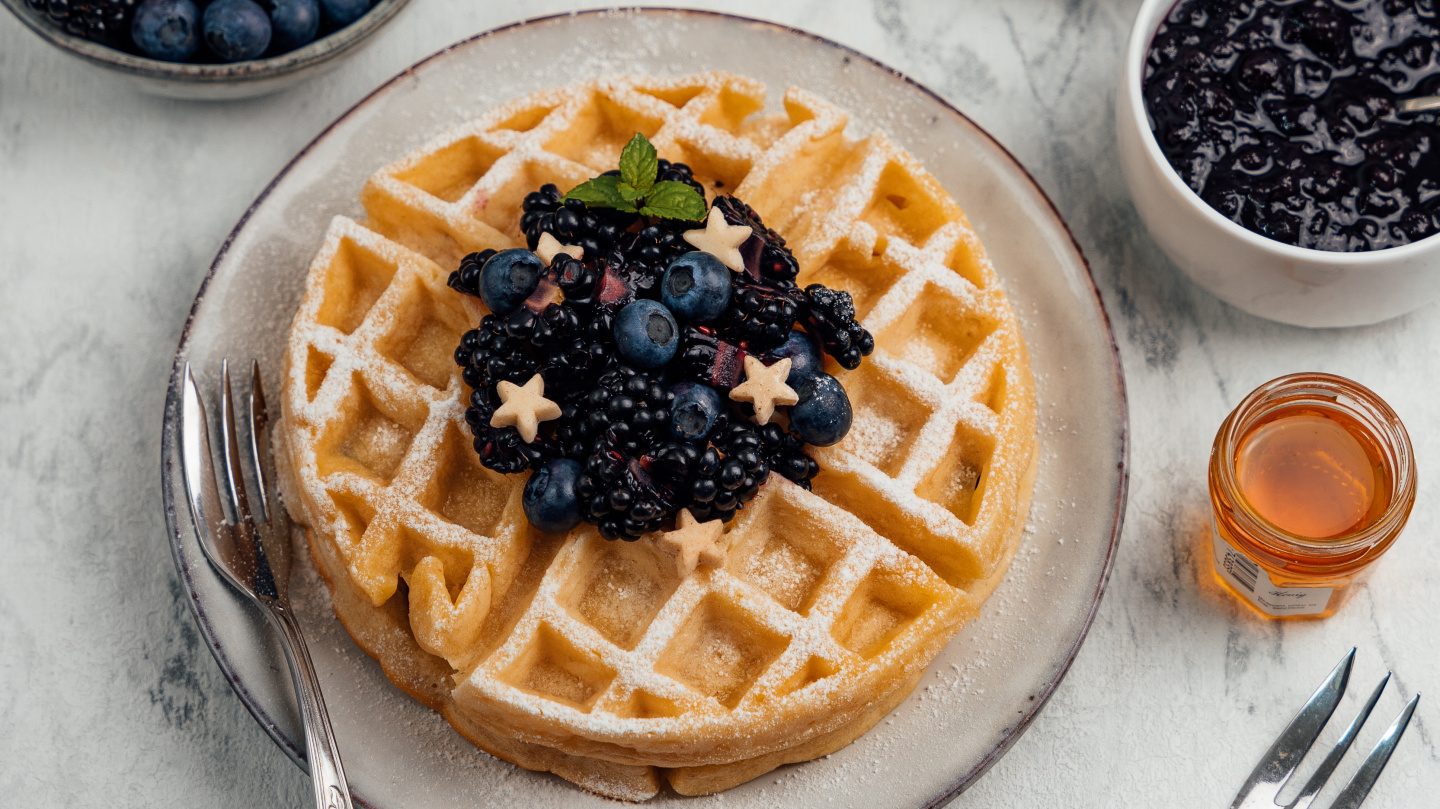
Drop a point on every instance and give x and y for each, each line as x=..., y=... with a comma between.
x=830, y=601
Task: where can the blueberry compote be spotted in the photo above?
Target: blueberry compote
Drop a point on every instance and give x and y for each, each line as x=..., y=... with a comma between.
x=1281, y=115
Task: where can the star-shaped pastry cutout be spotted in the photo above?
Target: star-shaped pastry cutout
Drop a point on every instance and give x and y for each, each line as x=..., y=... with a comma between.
x=550, y=247
x=695, y=543
x=720, y=239
x=524, y=407
x=764, y=387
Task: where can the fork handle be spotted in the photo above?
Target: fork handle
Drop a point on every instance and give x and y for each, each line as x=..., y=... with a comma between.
x=326, y=772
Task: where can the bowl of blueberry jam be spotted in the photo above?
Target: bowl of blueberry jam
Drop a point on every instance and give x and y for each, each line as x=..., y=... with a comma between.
x=1271, y=151
x=207, y=49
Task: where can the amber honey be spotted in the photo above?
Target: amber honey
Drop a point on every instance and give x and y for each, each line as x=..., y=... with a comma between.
x=1312, y=472
x=1312, y=479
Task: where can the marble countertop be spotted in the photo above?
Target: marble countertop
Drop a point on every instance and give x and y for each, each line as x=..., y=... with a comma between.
x=112, y=203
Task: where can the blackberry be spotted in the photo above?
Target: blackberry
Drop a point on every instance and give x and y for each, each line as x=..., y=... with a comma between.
x=597, y=230
x=627, y=409
x=704, y=486
x=761, y=314
x=619, y=495
x=635, y=481
x=504, y=451
x=729, y=474
x=513, y=348
x=710, y=360
x=100, y=20
x=678, y=172
x=601, y=329
x=488, y=354
x=676, y=460
x=539, y=203
x=639, y=259
x=568, y=436
x=617, y=284
x=573, y=364
x=787, y=455
x=545, y=328
x=830, y=319
x=765, y=253
x=656, y=245
x=466, y=278
x=499, y=448
x=578, y=280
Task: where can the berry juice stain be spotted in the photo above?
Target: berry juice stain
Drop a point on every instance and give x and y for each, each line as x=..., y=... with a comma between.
x=1281, y=115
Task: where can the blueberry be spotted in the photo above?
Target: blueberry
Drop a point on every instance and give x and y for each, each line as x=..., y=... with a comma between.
x=694, y=411
x=508, y=278
x=166, y=29
x=344, y=12
x=1325, y=32
x=646, y=334
x=696, y=287
x=822, y=416
x=296, y=22
x=236, y=30
x=1261, y=69
x=550, y=501
x=804, y=357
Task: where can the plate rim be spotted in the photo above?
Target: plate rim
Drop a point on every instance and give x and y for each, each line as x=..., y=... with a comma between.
x=296, y=752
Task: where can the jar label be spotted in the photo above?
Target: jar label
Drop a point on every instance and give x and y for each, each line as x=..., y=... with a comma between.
x=1253, y=582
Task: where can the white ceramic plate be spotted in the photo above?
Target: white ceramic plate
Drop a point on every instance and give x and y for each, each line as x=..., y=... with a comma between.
x=986, y=686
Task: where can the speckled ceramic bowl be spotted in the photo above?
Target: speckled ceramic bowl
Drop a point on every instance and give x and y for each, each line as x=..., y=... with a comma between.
x=213, y=82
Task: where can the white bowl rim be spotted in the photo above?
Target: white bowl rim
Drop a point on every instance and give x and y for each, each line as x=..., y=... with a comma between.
x=1142, y=33
x=315, y=52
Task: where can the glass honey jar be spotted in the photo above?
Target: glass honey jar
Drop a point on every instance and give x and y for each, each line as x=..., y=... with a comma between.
x=1312, y=478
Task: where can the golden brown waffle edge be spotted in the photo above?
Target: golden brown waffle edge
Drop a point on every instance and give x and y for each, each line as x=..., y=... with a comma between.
x=565, y=653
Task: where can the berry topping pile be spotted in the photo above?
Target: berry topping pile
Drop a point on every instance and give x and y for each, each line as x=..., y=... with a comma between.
x=1282, y=115
x=648, y=355
x=203, y=30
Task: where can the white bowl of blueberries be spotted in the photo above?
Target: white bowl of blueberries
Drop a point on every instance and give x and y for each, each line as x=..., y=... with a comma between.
x=207, y=49
x=1269, y=151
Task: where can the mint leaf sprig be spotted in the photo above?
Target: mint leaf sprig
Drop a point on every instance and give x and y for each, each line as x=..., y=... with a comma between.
x=634, y=190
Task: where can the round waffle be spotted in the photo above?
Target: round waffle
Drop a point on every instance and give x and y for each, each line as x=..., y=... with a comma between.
x=593, y=659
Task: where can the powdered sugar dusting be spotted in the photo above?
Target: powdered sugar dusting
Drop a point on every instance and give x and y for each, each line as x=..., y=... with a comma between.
x=902, y=556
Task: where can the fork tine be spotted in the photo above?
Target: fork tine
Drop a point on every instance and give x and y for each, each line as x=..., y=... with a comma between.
x=1280, y=761
x=259, y=433
x=252, y=560
x=1332, y=759
x=1364, y=778
x=195, y=456
x=234, y=477
x=273, y=545
x=197, y=466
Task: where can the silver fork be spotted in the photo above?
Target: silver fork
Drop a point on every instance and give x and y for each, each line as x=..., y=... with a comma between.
x=1262, y=788
x=252, y=552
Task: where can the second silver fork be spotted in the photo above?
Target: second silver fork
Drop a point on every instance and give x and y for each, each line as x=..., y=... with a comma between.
x=252, y=551
x=1262, y=789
